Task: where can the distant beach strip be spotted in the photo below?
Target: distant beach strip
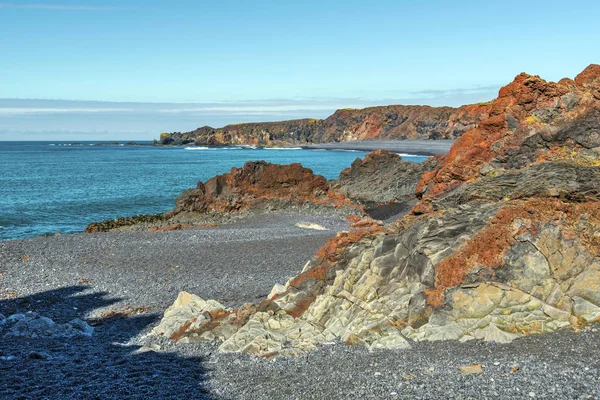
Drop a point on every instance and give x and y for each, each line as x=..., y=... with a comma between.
x=412, y=147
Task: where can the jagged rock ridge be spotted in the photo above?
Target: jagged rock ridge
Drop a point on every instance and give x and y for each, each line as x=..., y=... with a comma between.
x=503, y=243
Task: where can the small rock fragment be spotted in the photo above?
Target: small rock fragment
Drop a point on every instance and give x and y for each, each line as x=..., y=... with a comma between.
x=82, y=327
x=471, y=369
x=36, y=355
x=310, y=225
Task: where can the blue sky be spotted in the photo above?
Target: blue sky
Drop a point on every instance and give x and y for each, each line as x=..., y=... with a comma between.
x=131, y=69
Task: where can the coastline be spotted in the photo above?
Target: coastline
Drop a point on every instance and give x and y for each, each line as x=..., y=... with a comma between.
x=415, y=147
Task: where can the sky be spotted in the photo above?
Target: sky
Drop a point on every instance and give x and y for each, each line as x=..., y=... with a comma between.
x=129, y=69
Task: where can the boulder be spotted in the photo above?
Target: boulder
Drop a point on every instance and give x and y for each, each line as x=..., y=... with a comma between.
x=31, y=325
x=193, y=319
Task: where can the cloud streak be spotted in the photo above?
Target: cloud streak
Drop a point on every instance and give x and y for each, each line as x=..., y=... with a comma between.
x=63, y=7
x=457, y=91
x=249, y=109
x=13, y=111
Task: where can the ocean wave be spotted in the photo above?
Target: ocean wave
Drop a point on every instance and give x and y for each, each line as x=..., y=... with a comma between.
x=198, y=148
x=283, y=148
x=409, y=155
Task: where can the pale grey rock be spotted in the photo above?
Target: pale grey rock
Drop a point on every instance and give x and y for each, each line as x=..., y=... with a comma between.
x=193, y=319
x=311, y=225
x=81, y=326
x=31, y=325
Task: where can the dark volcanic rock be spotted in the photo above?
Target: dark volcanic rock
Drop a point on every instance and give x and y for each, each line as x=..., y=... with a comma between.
x=382, y=177
x=543, y=180
x=111, y=224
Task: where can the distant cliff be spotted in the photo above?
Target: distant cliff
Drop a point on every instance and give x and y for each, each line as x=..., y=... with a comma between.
x=372, y=123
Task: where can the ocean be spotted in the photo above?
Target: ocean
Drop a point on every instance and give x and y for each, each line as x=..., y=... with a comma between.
x=48, y=187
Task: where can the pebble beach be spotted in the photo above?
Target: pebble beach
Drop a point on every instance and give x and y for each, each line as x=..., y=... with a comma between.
x=122, y=287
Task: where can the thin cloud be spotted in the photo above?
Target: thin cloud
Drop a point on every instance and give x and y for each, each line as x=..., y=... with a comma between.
x=10, y=111
x=249, y=109
x=457, y=91
x=63, y=7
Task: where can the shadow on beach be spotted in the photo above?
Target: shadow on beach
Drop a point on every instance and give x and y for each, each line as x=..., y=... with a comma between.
x=103, y=366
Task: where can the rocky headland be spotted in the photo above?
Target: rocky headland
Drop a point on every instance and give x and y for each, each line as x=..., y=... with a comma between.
x=373, y=123
x=503, y=243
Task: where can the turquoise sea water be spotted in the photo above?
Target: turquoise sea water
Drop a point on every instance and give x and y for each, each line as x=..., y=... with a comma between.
x=48, y=187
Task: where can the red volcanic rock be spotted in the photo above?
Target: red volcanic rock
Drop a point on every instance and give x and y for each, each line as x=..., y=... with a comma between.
x=527, y=118
x=590, y=79
x=400, y=122
x=256, y=184
x=366, y=223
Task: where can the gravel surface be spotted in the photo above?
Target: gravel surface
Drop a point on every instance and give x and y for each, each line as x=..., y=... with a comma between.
x=233, y=264
x=137, y=275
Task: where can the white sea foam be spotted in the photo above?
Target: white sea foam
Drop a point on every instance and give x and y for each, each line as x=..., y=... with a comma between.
x=198, y=148
x=283, y=148
x=409, y=155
